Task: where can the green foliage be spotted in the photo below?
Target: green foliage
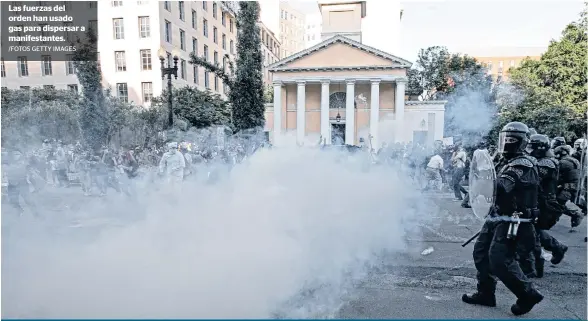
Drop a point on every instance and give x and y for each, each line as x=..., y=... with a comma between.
x=245, y=82
x=268, y=94
x=200, y=108
x=93, y=114
x=554, y=89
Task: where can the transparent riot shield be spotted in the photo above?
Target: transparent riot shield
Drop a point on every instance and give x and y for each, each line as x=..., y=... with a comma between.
x=481, y=183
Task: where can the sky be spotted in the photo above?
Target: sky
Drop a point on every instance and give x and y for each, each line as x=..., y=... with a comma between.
x=478, y=28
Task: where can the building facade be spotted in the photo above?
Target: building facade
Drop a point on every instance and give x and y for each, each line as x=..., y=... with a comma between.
x=313, y=28
x=292, y=24
x=130, y=36
x=341, y=90
x=498, y=67
x=270, y=50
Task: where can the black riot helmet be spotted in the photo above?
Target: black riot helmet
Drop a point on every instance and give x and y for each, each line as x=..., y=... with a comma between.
x=561, y=151
x=513, y=139
x=558, y=141
x=538, y=145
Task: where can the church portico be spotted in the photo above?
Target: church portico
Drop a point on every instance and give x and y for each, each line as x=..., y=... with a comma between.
x=343, y=91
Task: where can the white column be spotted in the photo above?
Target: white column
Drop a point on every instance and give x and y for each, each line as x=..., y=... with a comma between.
x=399, y=110
x=300, y=112
x=375, y=113
x=277, y=111
x=325, y=123
x=350, y=113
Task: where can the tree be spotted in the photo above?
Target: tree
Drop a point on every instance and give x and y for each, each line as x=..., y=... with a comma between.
x=462, y=81
x=201, y=108
x=554, y=89
x=93, y=114
x=246, y=92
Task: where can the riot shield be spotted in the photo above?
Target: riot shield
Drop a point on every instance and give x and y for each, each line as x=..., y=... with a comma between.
x=481, y=183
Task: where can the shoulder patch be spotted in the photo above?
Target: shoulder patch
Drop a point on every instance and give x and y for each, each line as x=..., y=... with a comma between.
x=546, y=162
x=522, y=161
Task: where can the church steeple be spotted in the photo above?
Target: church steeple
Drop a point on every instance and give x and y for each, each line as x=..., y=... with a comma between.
x=342, y=18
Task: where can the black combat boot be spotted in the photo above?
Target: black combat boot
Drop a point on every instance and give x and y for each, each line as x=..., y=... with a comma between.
x=480, y=298
x=539, y=267
x=558, y=254
x=525, y=305
x=576, y=220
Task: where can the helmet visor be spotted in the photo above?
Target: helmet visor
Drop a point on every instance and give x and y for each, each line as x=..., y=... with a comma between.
x=505, y=141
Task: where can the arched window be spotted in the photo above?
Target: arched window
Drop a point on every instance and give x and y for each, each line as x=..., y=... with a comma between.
x=339, y=100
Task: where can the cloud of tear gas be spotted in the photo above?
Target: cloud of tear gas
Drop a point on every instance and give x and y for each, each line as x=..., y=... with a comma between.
x=283, y=235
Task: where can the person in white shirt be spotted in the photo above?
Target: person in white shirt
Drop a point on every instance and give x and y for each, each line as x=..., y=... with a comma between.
x=458, y=160
x=433, y=172
x=172, y=164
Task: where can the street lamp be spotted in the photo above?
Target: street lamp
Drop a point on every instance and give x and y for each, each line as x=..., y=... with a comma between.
x=169, y=71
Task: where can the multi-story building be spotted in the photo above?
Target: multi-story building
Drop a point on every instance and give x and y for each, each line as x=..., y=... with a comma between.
x=270, y=50
x=131, y=34
x=313, y=28
x=498, y=67
x=292, y=27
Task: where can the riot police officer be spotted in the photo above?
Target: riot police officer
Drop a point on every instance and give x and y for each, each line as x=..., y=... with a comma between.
x=568, y=183
x=558, y=141
x=549, y=209
x=495, y=249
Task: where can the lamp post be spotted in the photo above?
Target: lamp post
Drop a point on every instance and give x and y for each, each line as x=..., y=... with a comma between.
x=169, y=71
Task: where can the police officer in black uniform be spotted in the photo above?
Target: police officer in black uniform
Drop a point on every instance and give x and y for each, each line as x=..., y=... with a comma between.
x=549, y=209
x=569, y=179
x=558, y=141
x=495, y=249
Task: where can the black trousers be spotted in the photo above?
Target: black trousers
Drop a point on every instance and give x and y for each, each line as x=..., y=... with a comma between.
x=528, y=258
x=456, y=182
x=495, y=256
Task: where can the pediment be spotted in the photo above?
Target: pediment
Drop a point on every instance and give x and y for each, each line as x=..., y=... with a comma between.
x=340, y=52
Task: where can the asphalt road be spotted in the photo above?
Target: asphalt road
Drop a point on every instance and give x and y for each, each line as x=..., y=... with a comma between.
x=413, y=285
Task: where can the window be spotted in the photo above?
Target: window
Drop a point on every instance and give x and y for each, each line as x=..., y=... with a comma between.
x=145, y=59
x=195, y=46
x=206, y=52
x=232, y=45
x=205, y=27
x=489, y=65
x=147, y=90
x=224, y=39
x=182, y=11
x=167, y=6
x=93, y=24
x=69, y=66
x=204, y=5
x=68, y=34
x=216, y=83
x=194, y=19
x=168, y=31
x=231, y=25
x=195, y=71
x=73, y=87
x=214, y=9
x=117, y=3
x=214, y=34
x=183, y=69
x=48, y=87
x=3, y=71
x=182, y=40
x=120, y=61
x=46, y=67
x=169, y=59
x=93, y=4
x=144, y=27
x=206, y=83
x=118, y=26
x=122, y=91
x=142, y=2
x=215, y=55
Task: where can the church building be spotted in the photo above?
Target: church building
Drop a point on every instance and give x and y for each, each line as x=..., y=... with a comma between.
x=343, y=91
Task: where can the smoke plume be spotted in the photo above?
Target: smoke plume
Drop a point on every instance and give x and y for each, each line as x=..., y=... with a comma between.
x=282, y=235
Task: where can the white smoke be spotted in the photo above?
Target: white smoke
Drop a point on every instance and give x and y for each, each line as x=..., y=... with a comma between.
x=282, y=235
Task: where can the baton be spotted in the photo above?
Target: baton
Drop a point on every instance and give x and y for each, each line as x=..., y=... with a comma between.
x=471, y=239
